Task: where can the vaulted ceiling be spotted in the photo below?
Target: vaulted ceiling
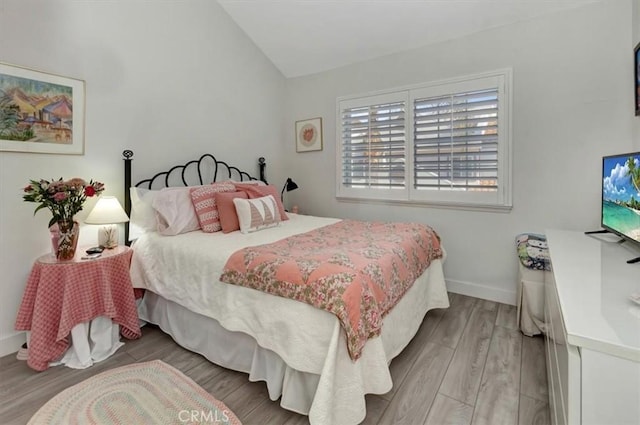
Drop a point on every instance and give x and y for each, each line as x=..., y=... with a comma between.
x=307, y=36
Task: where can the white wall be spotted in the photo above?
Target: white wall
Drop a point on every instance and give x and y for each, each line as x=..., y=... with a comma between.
x=170, y=80
x=571, y=106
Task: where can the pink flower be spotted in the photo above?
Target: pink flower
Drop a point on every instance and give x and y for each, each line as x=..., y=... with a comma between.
x=76, y=182
x=64, y=198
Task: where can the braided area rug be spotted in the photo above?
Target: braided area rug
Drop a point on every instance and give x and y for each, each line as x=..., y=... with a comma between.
x=141, y=393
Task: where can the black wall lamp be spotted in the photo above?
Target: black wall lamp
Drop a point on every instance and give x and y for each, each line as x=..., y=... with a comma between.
x=289, y=185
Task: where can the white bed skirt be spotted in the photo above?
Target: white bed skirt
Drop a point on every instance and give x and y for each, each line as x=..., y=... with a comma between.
x=233, y=350
x=336, y=396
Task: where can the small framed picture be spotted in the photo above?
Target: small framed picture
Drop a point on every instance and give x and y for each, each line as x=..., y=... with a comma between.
x=309, y=135
x=636, y=55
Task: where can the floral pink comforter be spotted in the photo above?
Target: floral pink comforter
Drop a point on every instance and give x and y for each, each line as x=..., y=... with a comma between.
x=355, y=270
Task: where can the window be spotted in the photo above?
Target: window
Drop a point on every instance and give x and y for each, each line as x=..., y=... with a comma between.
x=441, y=143
x=374, y=146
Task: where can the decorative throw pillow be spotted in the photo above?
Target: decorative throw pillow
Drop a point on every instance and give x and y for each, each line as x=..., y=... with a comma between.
x=256, y=191
x=257, y=214
x=227, y=210
x=174, y=211
x=204, y=203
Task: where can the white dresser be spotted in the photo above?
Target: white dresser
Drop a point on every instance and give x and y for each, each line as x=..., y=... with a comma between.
x=592, y=330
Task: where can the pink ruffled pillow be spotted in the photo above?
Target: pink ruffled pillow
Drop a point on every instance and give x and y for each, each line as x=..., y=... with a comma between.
x=204, y=203
x=227, y=210
x=255, y=191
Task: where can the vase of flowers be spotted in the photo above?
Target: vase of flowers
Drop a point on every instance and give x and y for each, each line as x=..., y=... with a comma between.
x=64, y=198
x=64, y=239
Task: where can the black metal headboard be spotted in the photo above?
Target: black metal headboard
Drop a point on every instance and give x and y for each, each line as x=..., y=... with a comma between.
x=195, y=172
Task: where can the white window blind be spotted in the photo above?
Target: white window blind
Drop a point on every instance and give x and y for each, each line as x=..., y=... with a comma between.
x=455, y=141
x=444, y=143
x=373, y=146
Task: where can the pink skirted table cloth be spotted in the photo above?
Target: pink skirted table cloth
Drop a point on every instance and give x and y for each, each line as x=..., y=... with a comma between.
x=62, y=294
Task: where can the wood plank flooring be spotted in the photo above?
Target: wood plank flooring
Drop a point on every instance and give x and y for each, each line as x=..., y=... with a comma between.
x=467, y=365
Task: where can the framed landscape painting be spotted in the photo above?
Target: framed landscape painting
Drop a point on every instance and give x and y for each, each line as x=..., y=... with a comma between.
x=40, y=112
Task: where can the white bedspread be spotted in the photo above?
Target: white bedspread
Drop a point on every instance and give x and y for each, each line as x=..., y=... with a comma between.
x=186, y=269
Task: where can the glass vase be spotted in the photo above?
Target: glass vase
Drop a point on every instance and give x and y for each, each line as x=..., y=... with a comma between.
x=64, y=239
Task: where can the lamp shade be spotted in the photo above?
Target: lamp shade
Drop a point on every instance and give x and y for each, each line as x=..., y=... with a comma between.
x=289, y=185
x=107, y=211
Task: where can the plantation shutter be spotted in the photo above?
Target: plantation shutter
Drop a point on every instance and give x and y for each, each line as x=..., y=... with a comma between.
x=456, y=141
x=373, y=152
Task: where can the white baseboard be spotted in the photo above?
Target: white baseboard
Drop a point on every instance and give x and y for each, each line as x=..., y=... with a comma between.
x=12, y=343
x=481, y=291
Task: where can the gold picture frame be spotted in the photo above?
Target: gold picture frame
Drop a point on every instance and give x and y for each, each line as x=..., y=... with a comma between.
x=41, y=112
x=309, y=135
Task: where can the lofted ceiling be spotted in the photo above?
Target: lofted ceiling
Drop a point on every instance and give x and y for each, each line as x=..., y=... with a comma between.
x=308, y=36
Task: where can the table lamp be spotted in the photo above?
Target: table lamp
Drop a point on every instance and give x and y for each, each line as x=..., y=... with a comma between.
x=107, y=211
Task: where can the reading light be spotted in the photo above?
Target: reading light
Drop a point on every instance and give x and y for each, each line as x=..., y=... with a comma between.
x=289, y=185
x=107, y=211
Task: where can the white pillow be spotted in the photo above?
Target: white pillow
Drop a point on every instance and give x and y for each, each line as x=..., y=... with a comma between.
x=143, y=216
x=257, y=214
x=174, y=211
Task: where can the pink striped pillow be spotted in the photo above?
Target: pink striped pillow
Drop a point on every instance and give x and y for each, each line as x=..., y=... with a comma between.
x=204, y=202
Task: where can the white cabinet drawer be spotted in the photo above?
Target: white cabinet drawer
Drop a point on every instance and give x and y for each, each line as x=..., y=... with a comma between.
x=564, y=362
x=610, y=389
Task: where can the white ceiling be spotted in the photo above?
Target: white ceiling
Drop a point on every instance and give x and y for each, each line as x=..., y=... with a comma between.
x=307, y=36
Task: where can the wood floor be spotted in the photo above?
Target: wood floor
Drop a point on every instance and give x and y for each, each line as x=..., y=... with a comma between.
x=468, y=364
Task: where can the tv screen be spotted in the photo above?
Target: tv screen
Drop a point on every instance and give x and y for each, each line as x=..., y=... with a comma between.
x=621, y=195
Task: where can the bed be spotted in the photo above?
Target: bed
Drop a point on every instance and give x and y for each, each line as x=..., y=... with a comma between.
x=300, y=351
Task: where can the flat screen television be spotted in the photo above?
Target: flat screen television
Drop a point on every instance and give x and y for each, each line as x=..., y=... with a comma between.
x=621, y=195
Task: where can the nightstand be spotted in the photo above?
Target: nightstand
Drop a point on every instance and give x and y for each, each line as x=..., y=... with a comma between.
x=83, y=300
